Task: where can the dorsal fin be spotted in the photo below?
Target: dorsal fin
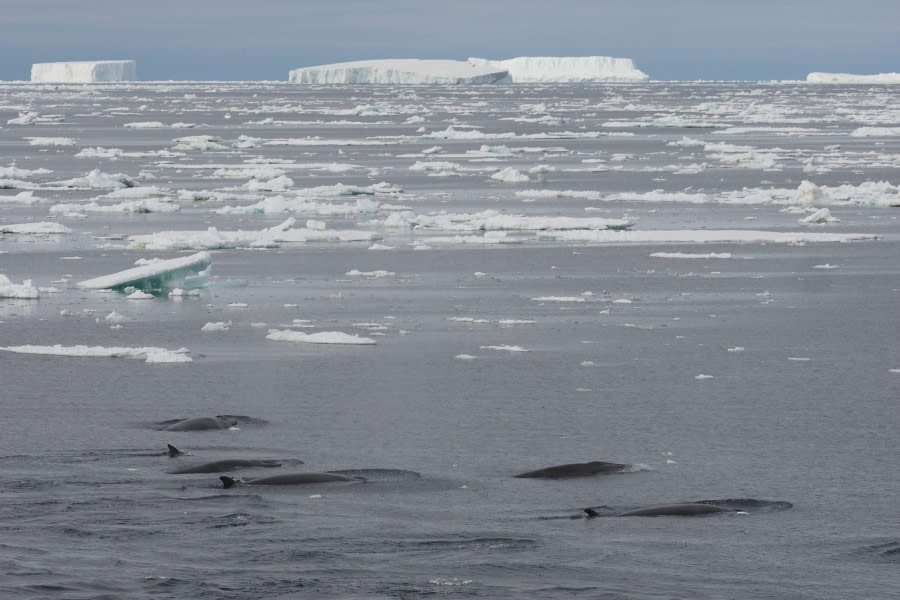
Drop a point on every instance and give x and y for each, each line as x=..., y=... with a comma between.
x=173, y=451
x=226, y=481
x=591, y=513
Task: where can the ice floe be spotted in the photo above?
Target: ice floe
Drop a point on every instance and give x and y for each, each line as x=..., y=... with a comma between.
x=41, y=228
x=323, y=337
x=148, y=354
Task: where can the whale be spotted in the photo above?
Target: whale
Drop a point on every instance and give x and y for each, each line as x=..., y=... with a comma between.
x=692, y=509
x=291, y=479
x=575, y=470
x=201, y=424
x=173, y=451
x=221, y=466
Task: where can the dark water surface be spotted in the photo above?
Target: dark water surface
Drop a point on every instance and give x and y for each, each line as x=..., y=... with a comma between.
x=797, y=421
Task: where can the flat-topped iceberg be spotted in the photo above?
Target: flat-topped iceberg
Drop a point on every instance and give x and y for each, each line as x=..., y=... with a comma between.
x=852, y=78
x=88, y=71
x=565, y=69
x=403, y=71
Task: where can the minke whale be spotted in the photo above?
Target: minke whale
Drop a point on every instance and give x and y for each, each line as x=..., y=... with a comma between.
x=692, y=509
x=201, y=424
x=291, y=479
x=576, y=470
x=221, y=466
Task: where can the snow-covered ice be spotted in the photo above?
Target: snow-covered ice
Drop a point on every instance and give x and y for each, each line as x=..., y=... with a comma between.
x=148, y=354
x=818, y=77
x=323, y=337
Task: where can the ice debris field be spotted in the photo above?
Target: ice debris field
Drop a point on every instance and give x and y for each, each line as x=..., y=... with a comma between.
x=285, y=197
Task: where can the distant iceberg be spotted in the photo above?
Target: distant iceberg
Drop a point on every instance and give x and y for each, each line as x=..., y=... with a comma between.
x=402, y=71
x=93, y=71
x=851, y=78
x=565, y=69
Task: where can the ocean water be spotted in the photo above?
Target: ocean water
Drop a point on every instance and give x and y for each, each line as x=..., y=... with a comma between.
x=760, y=375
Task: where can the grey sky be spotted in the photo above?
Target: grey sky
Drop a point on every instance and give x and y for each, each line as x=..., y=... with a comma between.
x=264, y=39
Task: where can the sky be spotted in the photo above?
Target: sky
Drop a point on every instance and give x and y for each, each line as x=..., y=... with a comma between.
x=264, y=39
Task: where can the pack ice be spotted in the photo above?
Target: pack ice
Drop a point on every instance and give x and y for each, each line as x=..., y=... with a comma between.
x=404, y=71
x=92, y=71
x=565, y=69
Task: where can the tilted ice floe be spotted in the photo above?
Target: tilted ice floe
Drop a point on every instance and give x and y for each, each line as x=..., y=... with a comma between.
x=84, y=71
x=147, y=354
x=565, y=69
x=145, y=205
x=23, y=290
x=323, y=337
x=161, y=274
x=399, y=71
x=851, y=78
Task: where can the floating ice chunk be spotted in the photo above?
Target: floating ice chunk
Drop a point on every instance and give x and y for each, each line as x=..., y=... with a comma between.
x=566, y=69
x=465, y=357
x=875, y=132
x=217, y=326
x=702, y=376
x=818, y=77
x=821, y=216
x=826, y=266
x=199, y=142
x=23, y=290
x=115, y=318
x=158, y=275
x=736, y=349
x=509, y=175
x=147, y=205
x=95, y=180
x=560, y=299
x=139, y=295
x=84, y=71
x=323, y=337
x=41, y=228
x=371, y=274
x=398, y=71
x=690, y=255
x=51, y=141
x=148, y=354
x=506, y=348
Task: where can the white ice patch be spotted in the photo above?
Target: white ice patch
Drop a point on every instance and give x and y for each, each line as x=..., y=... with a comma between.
x=95, y=180
x=84, y=71
x=41, y=228
x=323, y=337
x=148, y=354
x=51, y=141
x=818, y=77
x=217, y=326
x=510, y=175
x=689, y=255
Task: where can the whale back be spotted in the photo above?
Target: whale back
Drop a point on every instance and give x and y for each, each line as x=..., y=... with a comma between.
x=587, y=469
x=676, y=510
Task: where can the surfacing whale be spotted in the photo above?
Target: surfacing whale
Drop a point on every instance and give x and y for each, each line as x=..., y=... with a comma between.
x=291, y=479
x=576, y=470
x=201, y=423
x=692, y=509
x=221, y=466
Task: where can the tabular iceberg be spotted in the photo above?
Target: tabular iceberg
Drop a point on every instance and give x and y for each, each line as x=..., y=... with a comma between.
x=565, y=69
x=92, y=71
x=404, y=71
x=852, y=78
